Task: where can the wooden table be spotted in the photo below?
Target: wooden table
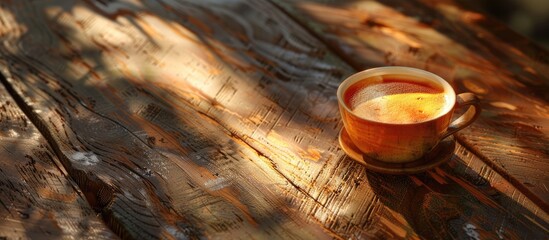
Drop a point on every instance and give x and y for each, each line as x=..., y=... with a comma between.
x=153, y=119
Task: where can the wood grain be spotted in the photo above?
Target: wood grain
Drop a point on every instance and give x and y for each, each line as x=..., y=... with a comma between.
x=219, y=119
x=152, y=173
x=472, y=52
x=37, y=198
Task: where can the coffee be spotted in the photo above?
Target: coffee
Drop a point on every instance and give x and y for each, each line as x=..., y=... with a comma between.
x=399, y=114
x=395, y=100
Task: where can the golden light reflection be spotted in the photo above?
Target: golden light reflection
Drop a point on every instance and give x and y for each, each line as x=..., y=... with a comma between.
x=463, y=15
x=9, y=27
x=405, y=39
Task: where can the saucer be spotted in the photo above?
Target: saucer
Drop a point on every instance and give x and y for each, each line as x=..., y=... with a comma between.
x=441, y=153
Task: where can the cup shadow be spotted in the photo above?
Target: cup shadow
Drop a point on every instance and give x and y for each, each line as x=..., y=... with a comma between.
x=454, y=202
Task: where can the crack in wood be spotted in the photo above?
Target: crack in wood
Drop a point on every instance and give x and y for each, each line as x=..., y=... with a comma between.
x=516, y=183
x=98, y=193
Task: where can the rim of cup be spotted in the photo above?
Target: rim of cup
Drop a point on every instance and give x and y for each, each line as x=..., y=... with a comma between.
x=449, y=92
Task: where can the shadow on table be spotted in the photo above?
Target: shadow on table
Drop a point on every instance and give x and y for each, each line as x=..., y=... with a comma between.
x=286, y=76
x=454, y=202
x=44, y=62
x=494, y=42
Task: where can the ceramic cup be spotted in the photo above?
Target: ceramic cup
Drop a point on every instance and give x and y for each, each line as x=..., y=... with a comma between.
x=394, y=135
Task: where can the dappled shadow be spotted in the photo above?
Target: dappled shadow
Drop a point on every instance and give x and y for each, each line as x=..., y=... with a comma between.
x=466, y=48
x=104, y=114
x=191, y=107
x=37, y=200
x=508, y=53
x=455, y=202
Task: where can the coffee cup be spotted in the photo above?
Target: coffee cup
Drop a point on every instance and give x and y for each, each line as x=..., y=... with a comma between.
x=399, y=114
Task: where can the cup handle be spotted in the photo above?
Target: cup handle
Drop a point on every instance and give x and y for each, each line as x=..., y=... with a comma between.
x=463, y=100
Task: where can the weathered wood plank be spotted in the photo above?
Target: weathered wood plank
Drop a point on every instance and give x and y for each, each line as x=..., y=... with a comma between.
x=37, y=198
x=468, y=50
x=179, y=176
x=194, y=119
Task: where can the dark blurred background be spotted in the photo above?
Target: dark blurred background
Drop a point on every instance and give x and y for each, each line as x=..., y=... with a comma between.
x=527, y=17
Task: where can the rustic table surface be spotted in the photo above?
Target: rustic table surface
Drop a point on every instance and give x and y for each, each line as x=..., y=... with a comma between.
x=148, y=119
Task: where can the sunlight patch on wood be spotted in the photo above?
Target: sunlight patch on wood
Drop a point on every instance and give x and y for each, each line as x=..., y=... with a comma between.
x=504, y=105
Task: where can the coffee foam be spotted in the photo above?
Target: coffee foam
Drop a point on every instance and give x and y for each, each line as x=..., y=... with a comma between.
x=396, y=100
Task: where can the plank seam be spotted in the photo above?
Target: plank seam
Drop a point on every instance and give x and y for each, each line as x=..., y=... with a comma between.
x=305, y=28
x=261, y=154
x=55, y=161
x=51, y=141
x=513, y=181
x=516, y=183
